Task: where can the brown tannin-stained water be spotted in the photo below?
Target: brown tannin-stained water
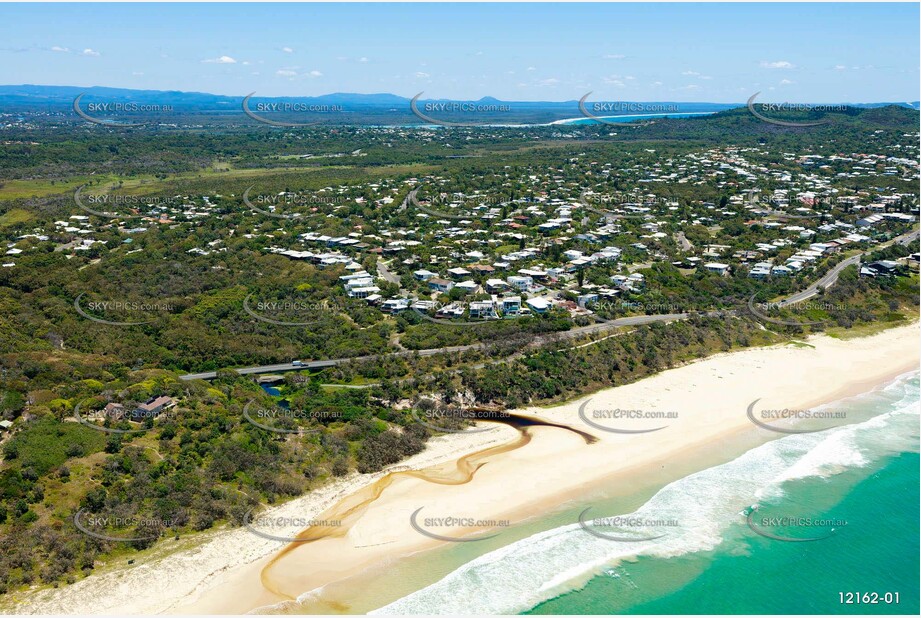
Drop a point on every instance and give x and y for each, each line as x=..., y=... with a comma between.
x=350, y=509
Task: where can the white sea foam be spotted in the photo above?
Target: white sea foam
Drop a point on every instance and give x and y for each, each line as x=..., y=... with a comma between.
x=705, y=505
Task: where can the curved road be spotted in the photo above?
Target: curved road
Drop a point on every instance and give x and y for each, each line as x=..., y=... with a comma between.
x=825, y=281
x=570, y=334
x=385, y=273
x=411, y=196
x=831, y=277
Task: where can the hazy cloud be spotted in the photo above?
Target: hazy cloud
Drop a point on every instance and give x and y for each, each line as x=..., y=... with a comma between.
x=220, y=60
x=777, y=64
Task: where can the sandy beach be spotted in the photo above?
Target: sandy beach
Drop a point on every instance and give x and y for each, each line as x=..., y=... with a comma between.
x=496, y=475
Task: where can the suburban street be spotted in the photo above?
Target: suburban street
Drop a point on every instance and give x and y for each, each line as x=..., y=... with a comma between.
x=826, y=281
x=385, y=273
x=831, y=277
x=411, y=196
x=570, y=334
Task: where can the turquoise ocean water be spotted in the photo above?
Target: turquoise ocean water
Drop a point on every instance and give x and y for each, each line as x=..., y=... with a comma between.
x=854, y=488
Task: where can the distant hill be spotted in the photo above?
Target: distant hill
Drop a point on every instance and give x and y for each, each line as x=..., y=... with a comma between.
x=358, y=107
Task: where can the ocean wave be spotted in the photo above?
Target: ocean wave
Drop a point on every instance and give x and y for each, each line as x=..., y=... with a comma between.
x=705, y=505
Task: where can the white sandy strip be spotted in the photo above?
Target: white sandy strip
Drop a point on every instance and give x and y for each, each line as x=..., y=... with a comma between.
x=711, y=397
x=154, y=583
x=222, y=574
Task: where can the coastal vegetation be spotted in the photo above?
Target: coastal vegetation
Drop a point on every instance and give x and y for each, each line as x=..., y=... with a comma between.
x=204, y=285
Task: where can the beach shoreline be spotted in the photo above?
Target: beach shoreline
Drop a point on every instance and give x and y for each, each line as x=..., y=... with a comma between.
x=227, y=572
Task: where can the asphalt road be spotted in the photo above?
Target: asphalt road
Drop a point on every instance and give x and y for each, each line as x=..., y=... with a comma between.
x=411, y=196
x=385, y=273
x=570, y=334
x=825, y=281
x=831, y=277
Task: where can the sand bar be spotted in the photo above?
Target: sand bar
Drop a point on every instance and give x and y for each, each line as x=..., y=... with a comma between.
x=502, y=476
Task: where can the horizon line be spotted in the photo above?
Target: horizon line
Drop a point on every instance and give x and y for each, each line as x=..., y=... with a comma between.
x=408, y=98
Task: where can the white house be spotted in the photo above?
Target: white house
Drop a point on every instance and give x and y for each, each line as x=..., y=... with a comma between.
x=780, y=271
x=363, y=292
x=511, y=305
x=538, y=305
x=761, y=270
x=520, y=282
x=495, y=285
x=467, y=286
x=395, y=305
x=483, y=309
x=440, y=285
x=424, y=275
x=454, y=310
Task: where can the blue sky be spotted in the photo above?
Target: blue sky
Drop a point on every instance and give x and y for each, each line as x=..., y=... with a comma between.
x=652, y=52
